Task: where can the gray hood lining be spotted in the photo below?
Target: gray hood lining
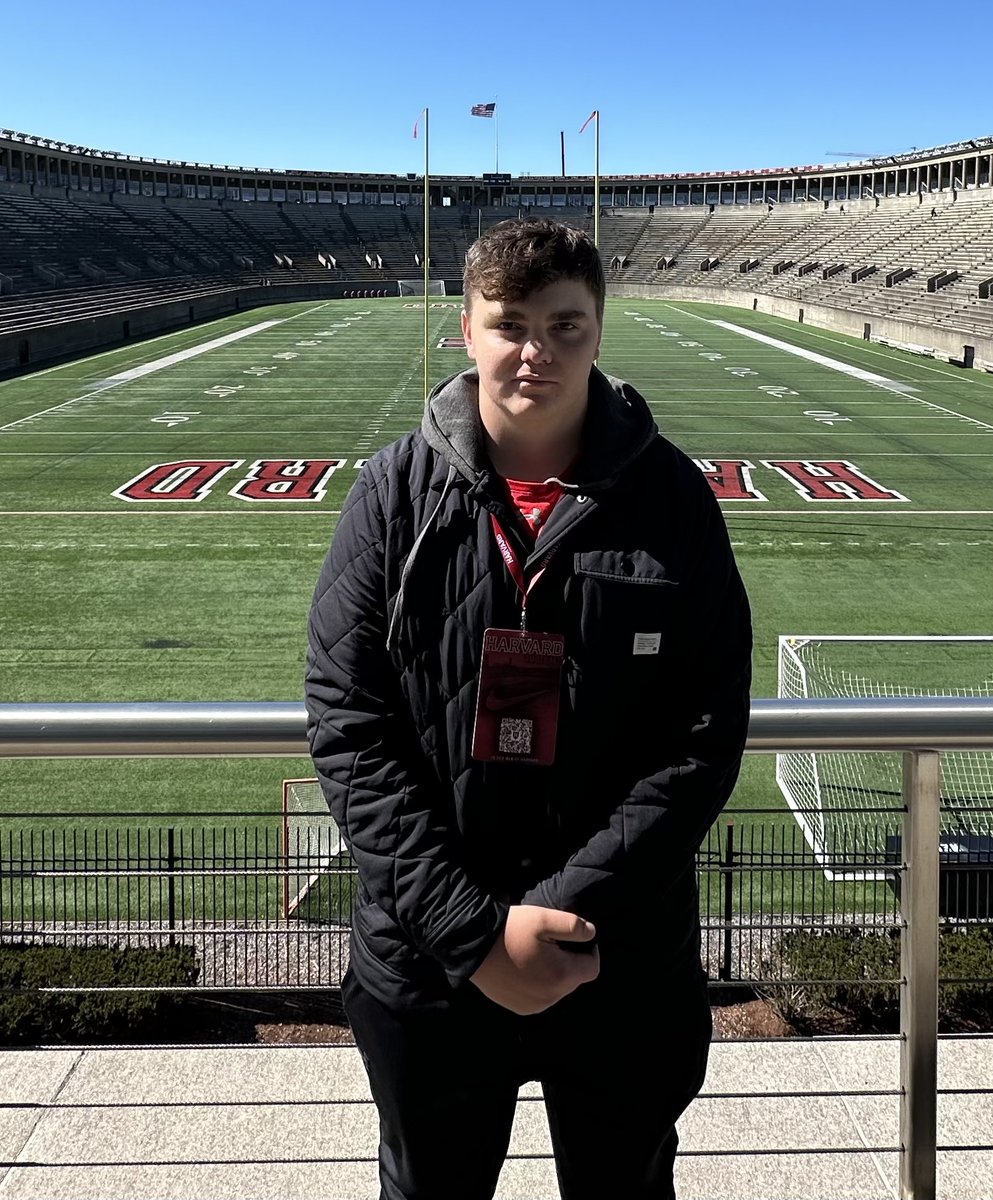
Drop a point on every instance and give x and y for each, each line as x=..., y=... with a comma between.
x=618, y=428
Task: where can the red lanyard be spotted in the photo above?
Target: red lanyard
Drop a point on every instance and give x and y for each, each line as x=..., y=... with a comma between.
x=509, y=556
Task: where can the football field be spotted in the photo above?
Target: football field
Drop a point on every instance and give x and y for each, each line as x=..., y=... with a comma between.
x=165, y=507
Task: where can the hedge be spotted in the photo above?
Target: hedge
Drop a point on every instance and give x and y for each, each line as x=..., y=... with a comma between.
x=29, y=1015
x=866, y=966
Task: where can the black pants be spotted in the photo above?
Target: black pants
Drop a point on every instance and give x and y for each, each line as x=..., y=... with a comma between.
x=618, y=1062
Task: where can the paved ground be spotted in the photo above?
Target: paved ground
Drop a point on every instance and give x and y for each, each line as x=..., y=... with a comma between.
x=778, y=1120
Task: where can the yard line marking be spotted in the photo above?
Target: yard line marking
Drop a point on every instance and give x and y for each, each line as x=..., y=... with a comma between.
x=861, y=511
x=323, y=433
x=744, y=545
x=946, y=371
x=132, y=373
x=822, y=360
x=160, y=512
x=322, y=513
x=679, y=393
x=889, y=385
x=123, y=350
x=78, y=545
x=159, y=364
x=243, y=433
x=669, y=412
x=921, y=454
x=961, y=416
x=305, y=454
x=75, y=362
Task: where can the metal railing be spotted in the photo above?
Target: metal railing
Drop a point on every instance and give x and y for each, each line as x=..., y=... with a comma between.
x=919, y=728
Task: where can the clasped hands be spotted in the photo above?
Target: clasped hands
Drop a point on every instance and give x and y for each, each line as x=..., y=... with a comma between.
x=527, y=970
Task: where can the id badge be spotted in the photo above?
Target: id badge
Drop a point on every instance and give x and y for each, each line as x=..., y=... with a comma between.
x=517, y=708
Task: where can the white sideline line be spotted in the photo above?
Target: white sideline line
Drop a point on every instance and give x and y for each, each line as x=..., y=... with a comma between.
x=979, y=378
x=833, y=364
x=922, y=454
x=188, y=433
x=149, y=546
x=145, y=342
x=256, y=433
x=307, y=453
x=159, y=364
x=75, y=362
x=822, y=360
x=77, y=545
x=861, y=511
x=304, y=454
x=132, y=453
x=256, y=511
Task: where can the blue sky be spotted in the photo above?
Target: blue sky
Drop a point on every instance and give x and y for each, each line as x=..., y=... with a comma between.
x=723, y=84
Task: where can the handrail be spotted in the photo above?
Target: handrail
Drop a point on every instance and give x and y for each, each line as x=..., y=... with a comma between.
x=920, y=727
x=269, y=728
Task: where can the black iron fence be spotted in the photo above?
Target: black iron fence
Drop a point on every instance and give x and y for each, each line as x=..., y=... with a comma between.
x=922, y=729
x=267, y=907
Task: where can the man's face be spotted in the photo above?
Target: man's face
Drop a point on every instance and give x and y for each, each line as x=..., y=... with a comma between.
x=534, y=355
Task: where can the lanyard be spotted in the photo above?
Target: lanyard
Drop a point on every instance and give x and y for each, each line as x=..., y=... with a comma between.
x=509, y=556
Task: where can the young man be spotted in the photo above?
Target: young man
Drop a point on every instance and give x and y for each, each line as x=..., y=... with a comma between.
x=528, y=694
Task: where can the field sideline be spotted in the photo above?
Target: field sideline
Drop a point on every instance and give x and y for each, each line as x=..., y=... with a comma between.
x=114, y=592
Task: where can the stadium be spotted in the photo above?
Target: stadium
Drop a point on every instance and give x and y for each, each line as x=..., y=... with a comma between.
x=196, y=360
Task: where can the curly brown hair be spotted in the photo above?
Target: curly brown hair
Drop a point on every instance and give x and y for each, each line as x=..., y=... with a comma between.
x=515, y=258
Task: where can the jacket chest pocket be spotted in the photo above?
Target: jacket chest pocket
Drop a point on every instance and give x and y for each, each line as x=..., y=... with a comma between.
x=628, y=613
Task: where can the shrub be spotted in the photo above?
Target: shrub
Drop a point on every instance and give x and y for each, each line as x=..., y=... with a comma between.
x=966, y=954
x=861, y=970
x=31, y=1015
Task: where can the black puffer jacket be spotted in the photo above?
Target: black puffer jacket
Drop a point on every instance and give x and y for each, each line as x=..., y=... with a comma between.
x=649, y=744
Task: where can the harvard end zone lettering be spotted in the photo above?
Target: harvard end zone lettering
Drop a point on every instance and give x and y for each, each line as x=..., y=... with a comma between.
x=287, y=479
x=191, y=479
x=306, y=479
x=268, y=479
x=832, y=480
x=730, y=478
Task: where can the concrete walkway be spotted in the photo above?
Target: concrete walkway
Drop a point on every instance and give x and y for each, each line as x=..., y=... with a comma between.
x=811, y=1120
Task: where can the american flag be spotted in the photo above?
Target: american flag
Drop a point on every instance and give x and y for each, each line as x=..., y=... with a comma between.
x=483, y=110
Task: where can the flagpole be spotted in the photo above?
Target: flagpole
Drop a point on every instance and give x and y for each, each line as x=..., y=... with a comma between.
x=427, y=249
x=496, y=131
x=596, y=185
x=595, y=116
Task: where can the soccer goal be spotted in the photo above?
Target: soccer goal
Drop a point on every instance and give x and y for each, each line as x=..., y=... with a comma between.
x=313, y=854
x=415, y=287
x=847, y=803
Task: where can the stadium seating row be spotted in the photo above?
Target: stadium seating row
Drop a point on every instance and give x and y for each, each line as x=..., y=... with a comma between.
x=61, y=255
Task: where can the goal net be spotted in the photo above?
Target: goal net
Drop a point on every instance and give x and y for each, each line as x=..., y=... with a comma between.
x=847, y=803
x=314, y=857
x=415, y=287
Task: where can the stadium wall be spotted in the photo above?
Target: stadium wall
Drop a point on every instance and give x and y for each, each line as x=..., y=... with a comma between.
x=25, y=349
x=949, y=344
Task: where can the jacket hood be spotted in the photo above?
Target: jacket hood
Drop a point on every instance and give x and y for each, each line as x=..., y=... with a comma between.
x=618, y=428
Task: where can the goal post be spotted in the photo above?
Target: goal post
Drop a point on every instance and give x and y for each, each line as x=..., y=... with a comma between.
x=848, y=804
x=312, y=851
x=415, y=287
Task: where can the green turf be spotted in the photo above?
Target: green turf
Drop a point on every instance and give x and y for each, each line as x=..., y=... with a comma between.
x=109, y=600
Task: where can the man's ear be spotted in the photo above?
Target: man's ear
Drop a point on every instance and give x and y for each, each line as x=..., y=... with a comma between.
x=467, y=333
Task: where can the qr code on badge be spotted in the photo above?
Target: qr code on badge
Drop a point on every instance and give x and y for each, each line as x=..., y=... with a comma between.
x=515, y=735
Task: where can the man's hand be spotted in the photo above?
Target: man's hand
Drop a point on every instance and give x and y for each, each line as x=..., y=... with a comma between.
x=527, y=971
